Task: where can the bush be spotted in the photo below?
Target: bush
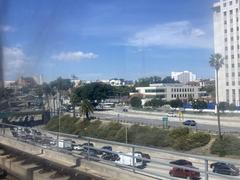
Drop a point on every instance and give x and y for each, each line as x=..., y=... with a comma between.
x=179, y=132
x=229, y=145
x=136, y=102
x=183, y=139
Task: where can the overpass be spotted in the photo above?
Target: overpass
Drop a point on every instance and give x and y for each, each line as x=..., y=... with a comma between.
x=96, y=167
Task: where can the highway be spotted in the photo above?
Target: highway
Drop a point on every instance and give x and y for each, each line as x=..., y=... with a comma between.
x=156, y=120
x=156, y=155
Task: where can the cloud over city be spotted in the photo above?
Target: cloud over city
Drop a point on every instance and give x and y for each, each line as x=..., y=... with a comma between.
x=179, y=34
x=75, y=56
x=14, y=61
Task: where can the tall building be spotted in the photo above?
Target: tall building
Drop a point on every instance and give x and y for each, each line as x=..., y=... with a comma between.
x=226, y=42
x=183, y=77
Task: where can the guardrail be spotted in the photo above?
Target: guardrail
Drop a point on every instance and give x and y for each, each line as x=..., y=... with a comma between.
x=49, y=135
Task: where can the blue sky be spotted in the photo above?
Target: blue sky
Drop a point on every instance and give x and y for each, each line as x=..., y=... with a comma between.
x=102, y=39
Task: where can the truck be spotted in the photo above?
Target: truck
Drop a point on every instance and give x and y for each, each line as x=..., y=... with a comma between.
x=65, y=144
x=128, y=160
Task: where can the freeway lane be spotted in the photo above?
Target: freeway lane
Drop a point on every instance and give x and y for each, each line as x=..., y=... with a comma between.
x=156, y=121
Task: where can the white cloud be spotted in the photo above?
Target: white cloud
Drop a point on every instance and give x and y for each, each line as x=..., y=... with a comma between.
x=180, y=34
x=14, y=61
x=75, y=56
x=6, y=28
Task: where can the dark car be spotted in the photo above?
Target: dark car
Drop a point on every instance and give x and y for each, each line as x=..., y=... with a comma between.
x=145, y=156
x=125, y=110
x=92, y=155
x=181, y=162
x=225, y=168
x=110, y=156
x=189, y=123
x=184, y=173
x=108, y=148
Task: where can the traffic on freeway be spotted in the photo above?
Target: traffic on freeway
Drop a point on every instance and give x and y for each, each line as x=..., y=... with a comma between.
x=146, y=160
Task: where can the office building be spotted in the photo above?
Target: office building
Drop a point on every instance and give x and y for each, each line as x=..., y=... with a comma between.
x=183, y=77
x=226, y=42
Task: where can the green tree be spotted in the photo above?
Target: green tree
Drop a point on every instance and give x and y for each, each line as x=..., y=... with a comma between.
x=223, y=106
x=232, y=107
x=176, y=103
x=199, y=104
x=155, y=102
x=86, y=108
x=168, y=79
x=74, y=99
x=136, y=102
x=95, y=92
x=216, y=61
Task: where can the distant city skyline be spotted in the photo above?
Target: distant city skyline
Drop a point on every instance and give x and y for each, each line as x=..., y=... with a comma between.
x=106, y=39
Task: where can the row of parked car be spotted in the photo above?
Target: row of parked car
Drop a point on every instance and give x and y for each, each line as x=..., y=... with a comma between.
x=218, y=167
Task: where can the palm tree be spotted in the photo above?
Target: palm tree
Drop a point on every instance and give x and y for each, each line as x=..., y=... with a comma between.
x=216, y=61
x=74, y=99
x=86, y=108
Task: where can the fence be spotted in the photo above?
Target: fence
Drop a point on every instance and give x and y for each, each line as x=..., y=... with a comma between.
x=154, y=167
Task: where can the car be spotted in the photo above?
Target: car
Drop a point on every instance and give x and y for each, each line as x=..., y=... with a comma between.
x=125, y=110
x=78, y=147
x=171, y=114
x=145, y=156
x=181, y=162
x=110, y=156
x=185, y=173
x=108, y=148
x=92, y=155
x=189, y=123
x=225, y=168
x=85, y=145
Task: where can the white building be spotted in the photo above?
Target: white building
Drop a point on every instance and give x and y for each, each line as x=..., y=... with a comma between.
x=226, y=42
x=169, y=92
x=183, y=77
x=117, y=82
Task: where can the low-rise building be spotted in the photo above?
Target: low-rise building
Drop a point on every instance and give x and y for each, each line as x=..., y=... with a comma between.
x=169, y=92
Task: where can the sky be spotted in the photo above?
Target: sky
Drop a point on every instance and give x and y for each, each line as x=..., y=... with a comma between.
x=103, y=39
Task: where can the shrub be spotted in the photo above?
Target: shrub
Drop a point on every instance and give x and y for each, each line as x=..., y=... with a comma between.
x=136, y=102
x=179, y=132
x=229, y=145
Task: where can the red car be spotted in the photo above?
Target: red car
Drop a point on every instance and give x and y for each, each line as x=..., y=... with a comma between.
x=184, y=173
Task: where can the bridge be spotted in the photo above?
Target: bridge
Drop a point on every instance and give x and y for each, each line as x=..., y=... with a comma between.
x=69, y=163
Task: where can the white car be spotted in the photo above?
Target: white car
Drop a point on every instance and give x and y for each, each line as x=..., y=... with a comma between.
x=77, y=147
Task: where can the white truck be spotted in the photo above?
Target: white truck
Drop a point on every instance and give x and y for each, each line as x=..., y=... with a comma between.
x=65, y=144
x=128, y=160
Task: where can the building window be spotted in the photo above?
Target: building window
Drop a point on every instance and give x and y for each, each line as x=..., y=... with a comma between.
x=225, y=13
x=238, y=74
x=226, y=57
x=233, y=95
x=231, y=38
x=232, y=47
x=227, y=95
x=238, y=64
x=227, y=83
x=232, y=56
x=237, y=19
x=238, y=55
x=237, y=37
x=233, y=74
x=233, y=83
x=238, y=46
x=236, y=1
x=237, y=28
x=225, y=22
x=231, y=29
x=226, y=48
x=232, y=65
x=225, y=31
x=226, y=74
x=225, y=39
x=230, y=3
x=226, y=65
x=224, y=4
x=231, y=20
